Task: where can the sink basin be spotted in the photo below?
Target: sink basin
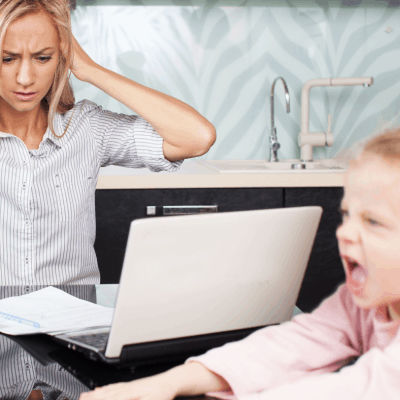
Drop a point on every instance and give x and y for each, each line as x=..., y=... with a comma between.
x=265, y=166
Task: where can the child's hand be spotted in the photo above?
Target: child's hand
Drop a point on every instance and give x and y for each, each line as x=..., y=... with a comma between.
x=152, y=388
x=190, y=379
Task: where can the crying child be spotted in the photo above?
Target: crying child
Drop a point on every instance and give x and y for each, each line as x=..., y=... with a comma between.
x=297, y=359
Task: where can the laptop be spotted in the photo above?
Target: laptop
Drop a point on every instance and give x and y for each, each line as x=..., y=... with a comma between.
x=194, y=282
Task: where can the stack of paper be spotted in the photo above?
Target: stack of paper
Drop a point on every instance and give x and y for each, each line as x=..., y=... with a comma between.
x=51, y=311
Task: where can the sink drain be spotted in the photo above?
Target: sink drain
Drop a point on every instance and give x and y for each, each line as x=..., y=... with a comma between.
x=299, y=166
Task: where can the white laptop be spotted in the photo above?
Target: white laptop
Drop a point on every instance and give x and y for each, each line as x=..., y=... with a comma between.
x=191, y=283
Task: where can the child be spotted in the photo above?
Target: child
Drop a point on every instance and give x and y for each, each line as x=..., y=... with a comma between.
x=296, y=360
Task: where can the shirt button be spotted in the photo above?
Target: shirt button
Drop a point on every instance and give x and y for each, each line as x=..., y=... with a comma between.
x=26, y=289
x=23, y=186
x=27, y=366
x=23, y=162
x=26, y=259
x=27, y=222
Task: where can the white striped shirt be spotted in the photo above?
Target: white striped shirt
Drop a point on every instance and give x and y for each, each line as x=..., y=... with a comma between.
x=47, y=195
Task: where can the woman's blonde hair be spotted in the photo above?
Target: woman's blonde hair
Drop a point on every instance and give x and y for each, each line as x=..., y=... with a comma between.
x=60, y=97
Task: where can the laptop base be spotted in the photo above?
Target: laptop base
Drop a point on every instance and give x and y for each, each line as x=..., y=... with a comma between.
x=163, y=351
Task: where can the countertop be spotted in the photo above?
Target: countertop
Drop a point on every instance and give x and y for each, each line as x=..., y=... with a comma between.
x=193, y=174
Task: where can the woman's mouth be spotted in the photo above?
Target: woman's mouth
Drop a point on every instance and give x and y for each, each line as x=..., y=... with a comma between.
x=24, y=96
x=356, y=275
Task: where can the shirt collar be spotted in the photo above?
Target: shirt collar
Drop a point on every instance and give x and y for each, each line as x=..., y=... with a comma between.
x=58, y=129
x=4, y=135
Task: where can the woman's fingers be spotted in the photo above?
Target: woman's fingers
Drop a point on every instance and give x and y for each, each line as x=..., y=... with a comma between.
x=82, y=65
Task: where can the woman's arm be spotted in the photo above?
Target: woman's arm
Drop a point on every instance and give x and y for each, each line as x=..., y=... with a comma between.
x=190, y=379
x=186, y=133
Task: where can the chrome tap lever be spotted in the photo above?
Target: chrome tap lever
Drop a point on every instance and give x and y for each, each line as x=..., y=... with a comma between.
x=274, y=147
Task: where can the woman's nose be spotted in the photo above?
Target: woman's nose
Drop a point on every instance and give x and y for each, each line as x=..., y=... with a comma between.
x=25, y=73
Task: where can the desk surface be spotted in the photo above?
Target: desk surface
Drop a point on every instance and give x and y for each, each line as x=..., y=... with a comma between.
x=30, y=359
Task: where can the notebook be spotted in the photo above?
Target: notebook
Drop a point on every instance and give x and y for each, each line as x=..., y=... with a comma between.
x=190, y=283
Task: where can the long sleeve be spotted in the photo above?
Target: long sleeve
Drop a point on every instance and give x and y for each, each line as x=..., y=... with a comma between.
x=296, y=358
x=126, y=140
x=374, y=376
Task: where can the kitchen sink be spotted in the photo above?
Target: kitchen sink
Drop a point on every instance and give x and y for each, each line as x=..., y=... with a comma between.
x=284, y=166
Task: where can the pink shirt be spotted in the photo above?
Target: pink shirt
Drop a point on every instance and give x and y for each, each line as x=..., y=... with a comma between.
x=294, y=360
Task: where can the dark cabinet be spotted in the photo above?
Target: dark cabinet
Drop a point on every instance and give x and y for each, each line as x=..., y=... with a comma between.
x=116, y=209
x=324, y=271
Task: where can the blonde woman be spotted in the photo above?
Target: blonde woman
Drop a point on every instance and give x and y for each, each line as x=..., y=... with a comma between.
x=51, y=149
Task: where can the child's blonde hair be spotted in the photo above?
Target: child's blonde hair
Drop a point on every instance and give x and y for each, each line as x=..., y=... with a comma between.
x=60, y=97
x=386, y=146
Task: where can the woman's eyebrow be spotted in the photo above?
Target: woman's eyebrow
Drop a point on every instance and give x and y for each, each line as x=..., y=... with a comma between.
x=34, y=54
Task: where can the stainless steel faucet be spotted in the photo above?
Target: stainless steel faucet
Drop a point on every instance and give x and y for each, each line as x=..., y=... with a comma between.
x=273, y=140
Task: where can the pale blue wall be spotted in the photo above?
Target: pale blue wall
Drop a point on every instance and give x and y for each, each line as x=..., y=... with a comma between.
x=221, y=58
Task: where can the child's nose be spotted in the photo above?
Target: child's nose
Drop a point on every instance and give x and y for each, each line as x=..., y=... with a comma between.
x=347, y=232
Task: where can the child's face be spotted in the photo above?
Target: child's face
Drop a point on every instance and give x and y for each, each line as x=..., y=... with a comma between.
x=370, y=233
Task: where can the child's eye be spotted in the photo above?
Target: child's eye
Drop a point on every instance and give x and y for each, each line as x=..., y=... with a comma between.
x=344, y=213
x=373, y=222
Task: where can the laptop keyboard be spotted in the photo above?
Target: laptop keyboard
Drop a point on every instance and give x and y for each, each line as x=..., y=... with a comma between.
x=97, y=340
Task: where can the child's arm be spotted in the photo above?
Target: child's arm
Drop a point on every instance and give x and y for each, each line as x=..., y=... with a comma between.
x=191, y=379
x=307, y=347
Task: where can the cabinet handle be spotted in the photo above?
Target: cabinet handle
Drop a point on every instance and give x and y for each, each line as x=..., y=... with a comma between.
x=180, y=210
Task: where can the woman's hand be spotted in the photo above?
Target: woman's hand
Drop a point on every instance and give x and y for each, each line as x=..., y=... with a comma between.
x=82, y=63
x=153, y=388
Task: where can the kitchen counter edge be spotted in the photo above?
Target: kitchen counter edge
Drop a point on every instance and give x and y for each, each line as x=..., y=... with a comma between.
x=194, y=175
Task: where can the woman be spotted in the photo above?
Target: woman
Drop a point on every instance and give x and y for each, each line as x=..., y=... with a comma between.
x=51, y=149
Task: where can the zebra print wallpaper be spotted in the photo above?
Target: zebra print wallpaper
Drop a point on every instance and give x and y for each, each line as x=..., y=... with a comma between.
x=221, y=58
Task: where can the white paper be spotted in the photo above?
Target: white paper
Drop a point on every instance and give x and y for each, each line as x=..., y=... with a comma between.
x=55, y=311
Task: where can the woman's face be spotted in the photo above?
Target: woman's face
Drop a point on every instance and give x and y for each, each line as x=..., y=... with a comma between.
x=34, y=41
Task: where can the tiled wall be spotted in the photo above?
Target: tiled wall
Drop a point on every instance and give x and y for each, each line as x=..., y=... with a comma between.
x=221, y=58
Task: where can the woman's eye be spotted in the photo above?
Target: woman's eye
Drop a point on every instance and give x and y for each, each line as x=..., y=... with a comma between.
x=41, y=59
x=44, y=59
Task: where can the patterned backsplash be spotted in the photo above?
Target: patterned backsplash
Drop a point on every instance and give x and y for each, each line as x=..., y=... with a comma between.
x=221, y=58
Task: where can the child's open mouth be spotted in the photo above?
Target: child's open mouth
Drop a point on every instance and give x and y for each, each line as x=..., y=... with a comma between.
x=356, y=275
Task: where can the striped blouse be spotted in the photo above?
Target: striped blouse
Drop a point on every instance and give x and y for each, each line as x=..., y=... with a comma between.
x=47, y=195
